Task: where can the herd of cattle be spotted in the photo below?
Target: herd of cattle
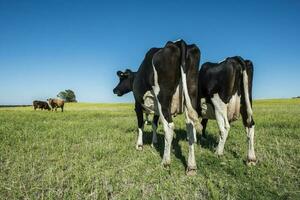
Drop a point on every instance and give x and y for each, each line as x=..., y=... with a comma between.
x=169, y=82
x=50, y=104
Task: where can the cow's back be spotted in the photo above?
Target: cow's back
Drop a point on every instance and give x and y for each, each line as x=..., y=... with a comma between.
x=220, y=78
x=143, y=80
x=59, y=102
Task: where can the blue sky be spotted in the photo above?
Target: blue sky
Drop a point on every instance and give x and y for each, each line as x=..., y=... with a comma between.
x=49, y=46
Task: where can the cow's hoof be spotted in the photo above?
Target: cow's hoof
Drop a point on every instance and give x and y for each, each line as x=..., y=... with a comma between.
x=139, y=147
x=251, y=162
x=191, y=171
x=166, y=164
x=219, y=153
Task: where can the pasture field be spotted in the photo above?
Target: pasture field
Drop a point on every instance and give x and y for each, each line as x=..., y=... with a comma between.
x=88, y=152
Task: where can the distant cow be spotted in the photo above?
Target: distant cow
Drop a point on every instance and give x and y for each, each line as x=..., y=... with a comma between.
x=166, y=83
x=41, y=105
x=56, y=103
x=225, y=92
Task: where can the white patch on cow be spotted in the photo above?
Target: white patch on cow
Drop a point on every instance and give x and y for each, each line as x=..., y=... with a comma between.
x=191, y=132
x=177, y=40
x=156, y=90
x=154, y=134
x=169, y=131
x=139, y=143
x=168, y=127
x=222, y=121
x=250, y=135
x=233, y=110
x=247, y=99
x=191, y=112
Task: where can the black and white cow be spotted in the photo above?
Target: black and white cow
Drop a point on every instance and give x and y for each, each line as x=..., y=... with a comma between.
x=125, y=86
x=166, y=83
x=225, y=92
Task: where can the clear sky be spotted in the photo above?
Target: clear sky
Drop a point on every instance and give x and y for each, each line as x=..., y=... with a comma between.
x=49, y=46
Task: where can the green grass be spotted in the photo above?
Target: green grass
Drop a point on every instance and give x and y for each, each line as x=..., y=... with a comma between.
x=88, y=152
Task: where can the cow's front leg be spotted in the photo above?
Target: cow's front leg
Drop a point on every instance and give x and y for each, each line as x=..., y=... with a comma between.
x=139, y=115
x=191, y=131
x=154, y=128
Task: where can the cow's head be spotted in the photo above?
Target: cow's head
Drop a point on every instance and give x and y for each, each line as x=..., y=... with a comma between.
x=125, y=84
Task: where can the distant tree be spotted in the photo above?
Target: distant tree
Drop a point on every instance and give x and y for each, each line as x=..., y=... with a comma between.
x=67, y=95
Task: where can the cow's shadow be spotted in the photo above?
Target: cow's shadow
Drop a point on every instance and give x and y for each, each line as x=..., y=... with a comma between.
x=208, y=142
x=179, y=135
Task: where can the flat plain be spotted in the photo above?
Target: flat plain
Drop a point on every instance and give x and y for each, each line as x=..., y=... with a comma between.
x=88, y=152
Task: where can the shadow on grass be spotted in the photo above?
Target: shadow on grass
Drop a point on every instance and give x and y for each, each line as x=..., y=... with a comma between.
x=209, y=141
x=176, y=147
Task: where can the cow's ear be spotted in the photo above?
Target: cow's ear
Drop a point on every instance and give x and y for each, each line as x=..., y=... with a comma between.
x=119, y=73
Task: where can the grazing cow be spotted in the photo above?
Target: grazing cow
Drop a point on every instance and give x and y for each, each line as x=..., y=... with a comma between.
x=166, y=83
x=225, y=92
x=56, y=103
x=40, y=104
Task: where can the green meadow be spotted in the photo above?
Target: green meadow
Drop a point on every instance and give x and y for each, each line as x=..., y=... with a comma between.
x=88, y=152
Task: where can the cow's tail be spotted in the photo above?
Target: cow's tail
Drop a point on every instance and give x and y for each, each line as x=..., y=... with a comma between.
x=192, y=113
x=246, y=89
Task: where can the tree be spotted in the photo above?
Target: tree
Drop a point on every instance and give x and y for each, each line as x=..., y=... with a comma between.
x=67, y=95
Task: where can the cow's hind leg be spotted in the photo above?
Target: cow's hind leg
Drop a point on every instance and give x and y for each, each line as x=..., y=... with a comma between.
x=154, y=128
x=139, y=115
x=251, y=158
x=168, y=126
x=222, y=121
x=191, y=131
x=163, y=104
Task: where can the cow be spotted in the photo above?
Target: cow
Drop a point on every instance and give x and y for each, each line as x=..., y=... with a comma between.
x=220, y=81
x=40, y=104
x=225, y=92
x=166, y=83
x=125, y=86
x=56, y=103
